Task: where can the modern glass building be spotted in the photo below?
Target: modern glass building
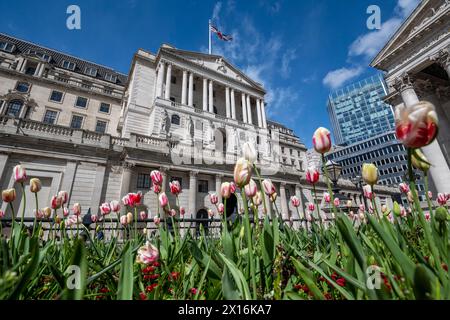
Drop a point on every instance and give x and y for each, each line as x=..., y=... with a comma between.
x=358, y=112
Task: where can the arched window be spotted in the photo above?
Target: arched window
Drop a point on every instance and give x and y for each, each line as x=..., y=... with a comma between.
x=175, y=119
x=14, y=108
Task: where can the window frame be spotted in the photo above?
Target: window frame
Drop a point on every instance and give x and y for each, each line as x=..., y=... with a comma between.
x=8, y=104
x=106, y=125
x=22, y=82
x=146, y=178
x=6, y=44
x=54, y=101
x=50, y=110
x=113, y=77
x=100, y=107
x=87, y=103
x=175, y=116
x=199, y=184
x=89, y=74
x=82, y=121
x=70, y=63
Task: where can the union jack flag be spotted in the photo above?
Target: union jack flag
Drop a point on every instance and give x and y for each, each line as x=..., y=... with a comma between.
x=221, y=36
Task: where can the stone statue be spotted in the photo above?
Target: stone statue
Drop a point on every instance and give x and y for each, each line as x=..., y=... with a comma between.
x=165, y=123
x=190, y=127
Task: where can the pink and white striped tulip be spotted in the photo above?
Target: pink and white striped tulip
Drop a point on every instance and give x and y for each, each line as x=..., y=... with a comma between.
x=64, y=196
x=123, y=220
x=312, y=175
x=115, y=206
x=182, y=211
x=94, y=218
x=2, y=214
x=427, y=216
x=156, y=220
x=76, y=209
x=20, y=174
x=268, y=187
x=175, y=187
x=126, y=200
x=225, y=190
x=156, y=177
x=213, y=198
x=232, y=187
x=65, y=212
x=442, y=199
x=404, y=188
x=143, y=215
x=430, y=194
x=156, y=188
x=250, y=189
x=56, y=202
x=210, y=213
x=105, y=209
x=163, y=200
x=295, y=201
x=368, y=191
x=322, y=140
x=326, y=197
x=172, y=212
x=147, y=254
x=220, y=208
x=336, y=202
x=38, y=214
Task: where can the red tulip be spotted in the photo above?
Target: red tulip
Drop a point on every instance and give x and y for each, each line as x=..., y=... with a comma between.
x=156, y=188
x=295, y=201
x=56, y=202
x=105, y=209
x=312, y=175
x=311, y=207
x=163, y=200
x=156, y=177
x=175, y=187
x=232, y=187
x=20, y=175
x=337, y=202
x=404, y=188
x=326, y=197
x=182, y=211
x=416, y=126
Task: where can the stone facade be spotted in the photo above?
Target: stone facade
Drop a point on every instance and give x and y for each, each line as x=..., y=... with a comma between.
x=184, y=113
x=416, y=61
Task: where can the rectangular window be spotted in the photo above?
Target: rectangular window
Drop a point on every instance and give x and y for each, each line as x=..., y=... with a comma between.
x=8, y=47
x=30, y=68
x=110, y=77
x=203, y=186
x=90, y=71
x=143, y=181
x=81, y=102
x=104, y=107
x=56, y=96
x=50, y=116
x=68, y=65
x=100, y=127
x=77, y=122
x=23, y=87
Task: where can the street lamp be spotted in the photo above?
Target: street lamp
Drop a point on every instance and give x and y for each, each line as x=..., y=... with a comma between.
x=334, y=171
x=358, y=182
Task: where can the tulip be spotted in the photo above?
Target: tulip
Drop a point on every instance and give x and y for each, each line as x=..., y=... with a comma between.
x=273, y=197
x=312, y=175
x=326, y=197
x=156, y=188
x=250, y=189
x=9, y=195
x=38, y=214
x=404, y=188
x=123, y=220
x=65, y=212
x=143, y=215
x=419, y=161
x=370, y=173
x=362, y=208
x=2, y=214
x=172, y=212
x=58, y=219
x=349, y=203
x=115, y=206
x=64, y=196
x=322, y=140
x=410, y=197
x=213, y=198
x=94, y=218
x=156, y=177
x=416, y=126
x=225, y=190
x=232, y=187
x=257, y=199
x=129, y=217
x=295, y=201
x=249, y=153
x=268, y=187
x=442, y=199
x=20, y=175
x=126, y=200
x=47, y=212
x=403, y=213
x=156, y=220
x=427, y=216
x=430, y=194
x=242, y=172
x=182, y=211
x=210, y=213
x=311, y=207
x=336, y=202
x=35, y=185
x=135, y=199
x=147, y=254
x=351, y=215
x=175, y=187
x=76, y=209
x=384, y=209
x=163, y=200
x=396, y=209
x=105, y=209
x=367, y=189
x=361, y=216
x=308, y=217
x=220, y=208
x=56, y=202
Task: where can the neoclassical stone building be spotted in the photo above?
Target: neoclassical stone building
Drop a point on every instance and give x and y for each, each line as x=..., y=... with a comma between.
x=97, y=133
x=417, y=64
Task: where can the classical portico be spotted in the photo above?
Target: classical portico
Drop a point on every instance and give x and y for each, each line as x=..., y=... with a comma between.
x=417, y=62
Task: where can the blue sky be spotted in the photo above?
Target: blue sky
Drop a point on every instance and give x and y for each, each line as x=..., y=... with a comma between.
x=299, y=50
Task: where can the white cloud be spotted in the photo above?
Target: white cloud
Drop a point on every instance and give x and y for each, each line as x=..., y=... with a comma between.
x=289, y=56
x=216, y=11
x=336, y=78
x=405, y=7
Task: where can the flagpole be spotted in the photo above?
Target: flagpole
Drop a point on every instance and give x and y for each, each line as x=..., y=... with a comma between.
x=210, y=42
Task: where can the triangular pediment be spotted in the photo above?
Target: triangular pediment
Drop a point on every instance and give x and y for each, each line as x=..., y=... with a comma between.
x=217, y=64
x=418, y=21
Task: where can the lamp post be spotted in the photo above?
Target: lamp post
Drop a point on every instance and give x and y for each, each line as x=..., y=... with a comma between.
x=358, y=182
x=334, y=171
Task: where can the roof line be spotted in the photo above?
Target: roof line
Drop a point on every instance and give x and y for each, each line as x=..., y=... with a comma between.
x=63, y=53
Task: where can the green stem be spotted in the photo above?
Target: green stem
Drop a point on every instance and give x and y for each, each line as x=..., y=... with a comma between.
x=261, y=187
x=24, y=199
x=330, y=191
x=37, y=210
x=249, y=243
x=317, y=206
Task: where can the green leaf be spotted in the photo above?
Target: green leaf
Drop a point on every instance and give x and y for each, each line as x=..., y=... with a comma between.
x=125, y=287
x=79, y=259
x=308, y=277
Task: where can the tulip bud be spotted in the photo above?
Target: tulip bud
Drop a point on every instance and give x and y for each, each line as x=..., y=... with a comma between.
x=232, y=187
x=220, y=208
x=249, y=152
x=143, y=215
x=257, y=199
x=326, y=197
x=210, y=213
x=430, y=195
x=336, y=202
x=76, y=209
x=419, y=161
x=2, y=214
x=47, y=212
x=441, y=214
x=404, y=188
x=105, y=209
x=123, y=220
x=442, y=199
x=35, y=185
x=20, y=175
x=64, y=196
x=9, y=195
x=349, y=203
x=370, y=173
x=172, y=212
x=410, y=197
x=213, y=198
x=396, y=210
x=38, y=214
x=368, y=191
x=225, y=190
x=58, y=219
x=295, y=201
x=175, y=187
x=129, y=217
x=115, y=206
x=311, y=207
x=273, y=197
x=163, y=200
x=156, y=177
x=268, y=187
x=182, y=211
x=312, y=175
x=242, y=172
x=94, y=218
x=65, y=212
x=56, y=202
x=156, y=220
x=322, y=140
x=250, y=189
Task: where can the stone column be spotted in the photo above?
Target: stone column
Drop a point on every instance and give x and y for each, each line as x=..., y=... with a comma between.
x=283, y=201
x=263, y=114
x=127, y=169
x=439, y=171
x=258, y=111
x=244, y=108
x=160, y=80
x=191, y=90
x=211, y=97
x=233, y=105
x=205, y=94
x=227, y=102
x=3, y=161
x=168, y=81
x=69, y=177
x=183, y=88
x=98, y=187
x=3, y=107
x=218, y=185
x=249, y=110
x=193, y=193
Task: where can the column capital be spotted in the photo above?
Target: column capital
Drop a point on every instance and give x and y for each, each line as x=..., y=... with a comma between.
x=164, y=169
x=219, y=175
x=405, y=81
x=283, y=184
x=442, y=58
x=128, y=165
x=193, y=173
